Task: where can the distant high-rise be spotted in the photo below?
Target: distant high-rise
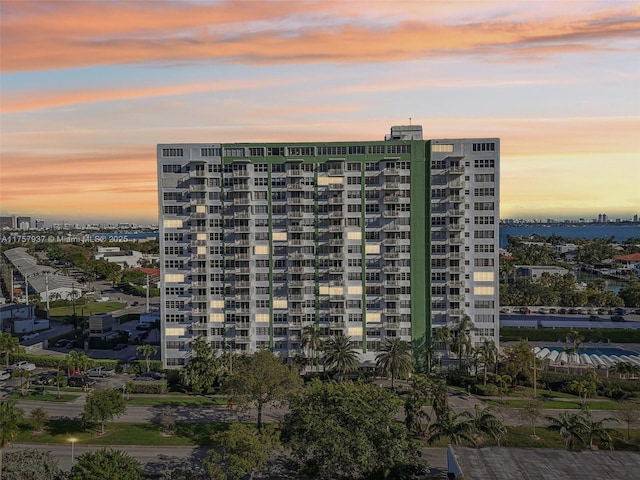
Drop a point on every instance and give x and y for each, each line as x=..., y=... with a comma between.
x=367, y=239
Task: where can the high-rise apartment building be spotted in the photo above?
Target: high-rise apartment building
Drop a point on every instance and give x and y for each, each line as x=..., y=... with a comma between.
x=368, y=239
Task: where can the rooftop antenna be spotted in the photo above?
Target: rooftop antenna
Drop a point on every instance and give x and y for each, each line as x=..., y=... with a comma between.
x=409, y=121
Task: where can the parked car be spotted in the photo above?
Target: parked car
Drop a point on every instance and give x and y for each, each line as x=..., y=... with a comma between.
x=152, y=375
x=525, y=310
x=120, y=346
x=553, y=310
x=621, y=311
x=140, y=378
x=30, y=336
x=100, y=372
x=80, y=381
x=22, y=365
x=617, y=318
x=594, y=318
x=46, y=378
x=5, y=374
x=62, y=342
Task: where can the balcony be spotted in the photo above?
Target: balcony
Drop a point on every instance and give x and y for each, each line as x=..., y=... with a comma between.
x=199, y=256
x=242, y=229
x=241, y=214
x=336, y=256
x=391, y=186
x=336, y=201
x=455, y=199
x=391, y=199
x=296, y=186
x=455, y=227
x=456, y=269
x=242, y=243
x=198, y=228
x=390, y=241
x=295, y=214
x=391, y=171
x=336, y=228
x=242, y=256
x=456, y=255
x=391, y=227
x=390, y=213
x=198, y=188
x=390, y=269
x=387, y=255
x=243, y=201
x=336, y=186
x=198, y=243
x=241, y=173
x=334, y=172
x=296, y=228
x=295, y=172
x=336, y=214
x=455, y=170
x=198, y=298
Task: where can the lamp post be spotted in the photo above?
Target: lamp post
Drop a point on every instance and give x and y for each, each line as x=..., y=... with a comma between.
x=73, y=442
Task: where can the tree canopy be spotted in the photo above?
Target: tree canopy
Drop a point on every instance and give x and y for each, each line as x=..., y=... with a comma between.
x=261, y=378
x=346, y=430
x=31, y=464
x=103, y=405
x=106, y=465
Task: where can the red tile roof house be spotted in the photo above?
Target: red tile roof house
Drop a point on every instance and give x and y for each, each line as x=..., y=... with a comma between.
x=628, y=262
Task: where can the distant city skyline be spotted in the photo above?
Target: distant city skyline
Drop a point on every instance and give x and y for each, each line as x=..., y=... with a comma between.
x=85, y=96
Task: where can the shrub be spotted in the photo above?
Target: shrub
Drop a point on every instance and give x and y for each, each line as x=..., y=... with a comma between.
x=490, y=390
x=159, y=386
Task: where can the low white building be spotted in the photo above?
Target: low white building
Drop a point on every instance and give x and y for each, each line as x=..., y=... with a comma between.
x=126, y=259
x=535, y=272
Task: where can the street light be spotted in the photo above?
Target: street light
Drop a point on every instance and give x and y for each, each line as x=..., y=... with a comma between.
x=73, y=441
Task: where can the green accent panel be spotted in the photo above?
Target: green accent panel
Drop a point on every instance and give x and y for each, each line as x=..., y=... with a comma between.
x=269, y=209
x=363, y=243
x=421, y=241
x=316, y=226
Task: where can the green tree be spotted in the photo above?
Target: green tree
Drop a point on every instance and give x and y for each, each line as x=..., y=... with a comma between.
x=485, y=423
x=106, y=465
x=584, y=387
x=9, y=345
x=628, y=414
x=416, y=418
x=347, y=430
x=529, y=413
x=594, y=430
x=202, y=370
x=312, y=343
x=10, y=417
x=103, y=405
x=462, y=338
x=31, y=464
x=76, y=360
x=395, y=358
x=39, y=419
x=503, y=382
x=260, y=379
x=60, y=379
x=455, y=427
x=25, y=377
x=517, y=362
x=571, y=427
x=630, y=293
x=239, y=452
x=147, y=351
x=488, y=355
x=340, y=355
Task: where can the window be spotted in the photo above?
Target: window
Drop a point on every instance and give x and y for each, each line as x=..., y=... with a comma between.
x=275, y=151
x=482, y=248
x=356, y=150
x=375, y=149
x=484, y=177
x=256, y=152
x=399, y=149
x=484, y=147
x=171, y=168
x=483, y=206
x=332, y=150
x=300, y=151
x=483, y=234
x=210, y=152
x=484, y=304
x=484, y=192
x=234, y=152
x=483, y=262
x=484, y=163
x=442, y=148
x=172, y=152
x=483, y=220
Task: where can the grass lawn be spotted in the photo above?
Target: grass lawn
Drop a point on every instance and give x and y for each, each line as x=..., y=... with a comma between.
x=49, y=397
x=59, y=431
x=561, y=404
x=178, y=401
x=521, y=437
x=88, y=309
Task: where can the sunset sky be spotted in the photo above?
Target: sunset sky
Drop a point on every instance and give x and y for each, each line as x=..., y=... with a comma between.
x=88, y=88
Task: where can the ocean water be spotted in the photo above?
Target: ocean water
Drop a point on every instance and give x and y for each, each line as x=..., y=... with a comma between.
x=596, y=350
x=591, y=232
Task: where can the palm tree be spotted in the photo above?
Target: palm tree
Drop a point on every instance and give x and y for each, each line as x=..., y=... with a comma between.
x=59, y=378
x=441, y=337
x=312, y=342
x=9, y=345
x=394, y=358
x=340, y=354
x=147, y=350
x=484, y=422
x=10, y=417
x=487, y=354
x=440, y=393
x=455, y=427
x=25, y=380
x=594, y=430
x=462, y=338
x=571, y=427
x=77, y=361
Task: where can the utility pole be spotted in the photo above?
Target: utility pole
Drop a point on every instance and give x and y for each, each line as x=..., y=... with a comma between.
x=147, y=293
